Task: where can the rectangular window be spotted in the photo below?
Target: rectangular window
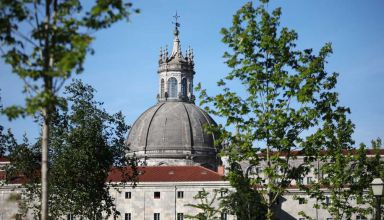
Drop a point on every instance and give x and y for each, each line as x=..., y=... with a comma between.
x=223, y=216
x=180, y=216
x=301, y=201
x=309, y=180
x=156, y=195
x=127, y=195
x=180, y=194
x=156, y=216
x=127, y=216
x=329, y=218
x=360, y=217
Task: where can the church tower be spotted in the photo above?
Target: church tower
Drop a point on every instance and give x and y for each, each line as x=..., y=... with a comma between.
x=176, y=71
x=171, y=133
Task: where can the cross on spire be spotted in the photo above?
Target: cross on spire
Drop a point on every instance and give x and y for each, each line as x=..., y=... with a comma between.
x=176, y=16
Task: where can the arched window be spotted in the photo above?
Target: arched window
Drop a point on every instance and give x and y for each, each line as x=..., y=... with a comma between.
x=184, y=87
x=172, y=87
x=162, y=88
x=190, y=87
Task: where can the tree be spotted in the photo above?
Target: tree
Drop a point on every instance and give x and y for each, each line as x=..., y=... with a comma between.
x=339, y=168
x=287, y=101
x=54, y=45
x=86, y=142
x=245, y=202
x=375, y=167
x=346, y=174
x=6, y=139
x=207, y=206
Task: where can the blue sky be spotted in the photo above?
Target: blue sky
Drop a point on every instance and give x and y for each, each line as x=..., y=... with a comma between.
x=123, y=69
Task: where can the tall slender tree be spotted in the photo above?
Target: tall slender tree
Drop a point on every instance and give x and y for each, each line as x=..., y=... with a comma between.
x=45, y=41
x=287, y=101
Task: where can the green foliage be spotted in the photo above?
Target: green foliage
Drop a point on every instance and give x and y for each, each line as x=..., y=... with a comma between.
x=335, y=172
x=85, y=143
x=6, y=137
x=287, y=104
x=375, y=165
x=346, y=174
x=246, y=202
x=14, y=197
x=46, y=41
x=25, y=161
x=6, y=140
x=207, y=205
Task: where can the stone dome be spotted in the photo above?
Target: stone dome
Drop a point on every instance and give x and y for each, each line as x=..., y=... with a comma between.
x=172, y=133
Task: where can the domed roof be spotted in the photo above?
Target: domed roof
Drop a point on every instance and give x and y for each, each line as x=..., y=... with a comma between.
x=172, y=130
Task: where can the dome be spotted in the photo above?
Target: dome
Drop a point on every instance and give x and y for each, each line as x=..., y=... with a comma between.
x=172, y=133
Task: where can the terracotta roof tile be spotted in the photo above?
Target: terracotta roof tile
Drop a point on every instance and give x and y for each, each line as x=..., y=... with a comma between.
x=4, y=159
x=168, y=174
x=323, y=152
x=16, y=180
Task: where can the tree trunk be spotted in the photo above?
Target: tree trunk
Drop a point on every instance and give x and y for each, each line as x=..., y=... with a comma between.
x=44, y=166
x=46, y=113
x=269, y=214
x=269, y=207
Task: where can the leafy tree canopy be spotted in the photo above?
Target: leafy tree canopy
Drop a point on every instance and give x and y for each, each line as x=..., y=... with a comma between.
x=85, y=143
x=46, y=41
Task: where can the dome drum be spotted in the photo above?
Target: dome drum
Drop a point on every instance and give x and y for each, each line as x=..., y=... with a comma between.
x=173, y=130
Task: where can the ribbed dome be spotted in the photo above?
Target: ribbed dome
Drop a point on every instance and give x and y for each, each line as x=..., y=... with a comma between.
x=173, y=130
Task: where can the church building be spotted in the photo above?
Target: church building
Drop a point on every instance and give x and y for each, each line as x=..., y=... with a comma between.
x=180, y=158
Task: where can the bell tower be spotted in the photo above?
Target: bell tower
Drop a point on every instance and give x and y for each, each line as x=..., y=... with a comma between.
x=176, y=72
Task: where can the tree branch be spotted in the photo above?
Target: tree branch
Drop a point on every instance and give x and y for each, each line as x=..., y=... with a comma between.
x=25, y=38
x=37, y=20
x=30, y=86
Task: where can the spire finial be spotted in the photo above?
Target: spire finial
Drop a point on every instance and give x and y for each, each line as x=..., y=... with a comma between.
x=176, y=50
x=177, y=24
x=161, y=58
